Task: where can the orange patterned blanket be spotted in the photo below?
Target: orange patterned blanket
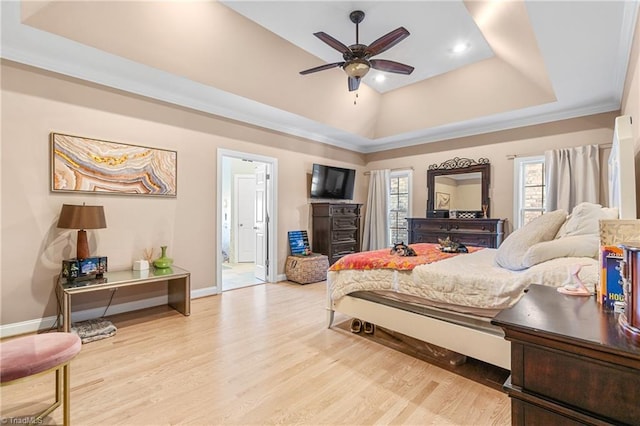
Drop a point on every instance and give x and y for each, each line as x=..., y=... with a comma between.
x=383, y=259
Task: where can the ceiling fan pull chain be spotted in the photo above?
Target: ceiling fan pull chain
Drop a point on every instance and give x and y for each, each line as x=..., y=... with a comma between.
x=356, y=99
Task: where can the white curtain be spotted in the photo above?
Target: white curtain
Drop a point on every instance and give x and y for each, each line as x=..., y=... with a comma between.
x=375, y=234
x=572, y=177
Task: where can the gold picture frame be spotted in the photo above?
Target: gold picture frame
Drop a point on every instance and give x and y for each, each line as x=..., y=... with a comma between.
x=80, y=164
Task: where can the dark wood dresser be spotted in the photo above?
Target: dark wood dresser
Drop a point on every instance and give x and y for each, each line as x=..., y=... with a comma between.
x=336, y=229
x=571, y=363
x=473, y=232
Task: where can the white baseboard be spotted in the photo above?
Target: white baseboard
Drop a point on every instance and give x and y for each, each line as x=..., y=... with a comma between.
x=281, y=277
x=204, y=292
x=24, y=327
x=34, y=325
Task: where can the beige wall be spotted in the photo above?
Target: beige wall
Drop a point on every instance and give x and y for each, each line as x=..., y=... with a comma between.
x=525, y=141
x=35, y=103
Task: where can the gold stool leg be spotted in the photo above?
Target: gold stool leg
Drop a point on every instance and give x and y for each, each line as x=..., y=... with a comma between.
x=38, y=419
x=66, y=403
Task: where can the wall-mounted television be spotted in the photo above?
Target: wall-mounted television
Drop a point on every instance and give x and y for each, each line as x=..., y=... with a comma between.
x=332, y=183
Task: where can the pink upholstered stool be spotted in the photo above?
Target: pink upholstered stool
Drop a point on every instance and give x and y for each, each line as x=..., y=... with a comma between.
x=38, y=354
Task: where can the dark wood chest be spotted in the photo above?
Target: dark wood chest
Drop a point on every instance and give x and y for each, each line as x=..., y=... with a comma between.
x=571, y=363
x=473, y=232
x=336, y=229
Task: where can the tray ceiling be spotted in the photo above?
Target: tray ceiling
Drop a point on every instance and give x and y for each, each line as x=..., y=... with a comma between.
x=526, y=62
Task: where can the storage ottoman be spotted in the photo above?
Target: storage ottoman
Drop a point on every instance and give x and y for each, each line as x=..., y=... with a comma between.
x=307, y=269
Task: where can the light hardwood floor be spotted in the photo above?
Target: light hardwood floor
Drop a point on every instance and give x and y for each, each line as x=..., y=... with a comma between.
x=256, y=355
x=238, y=275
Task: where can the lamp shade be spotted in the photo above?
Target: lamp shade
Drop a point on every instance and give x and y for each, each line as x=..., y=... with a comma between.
x=357, y=68
x=82, y=217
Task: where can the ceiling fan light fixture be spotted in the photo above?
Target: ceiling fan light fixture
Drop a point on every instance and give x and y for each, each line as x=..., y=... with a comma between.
x=357, y=68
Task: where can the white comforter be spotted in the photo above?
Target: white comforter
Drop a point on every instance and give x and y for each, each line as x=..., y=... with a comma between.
x=467, y=280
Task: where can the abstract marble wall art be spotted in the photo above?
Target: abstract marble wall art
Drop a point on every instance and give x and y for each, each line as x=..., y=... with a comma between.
x=91, y=165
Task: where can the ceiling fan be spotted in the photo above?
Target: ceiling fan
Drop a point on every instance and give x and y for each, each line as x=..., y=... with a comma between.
x=357, y=57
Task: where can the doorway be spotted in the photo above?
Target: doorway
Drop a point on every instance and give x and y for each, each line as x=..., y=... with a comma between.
x=246, y=198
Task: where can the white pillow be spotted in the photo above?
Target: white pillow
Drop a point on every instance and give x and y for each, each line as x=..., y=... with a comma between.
x=584, y=220
x=510, y=254
x=572, y=246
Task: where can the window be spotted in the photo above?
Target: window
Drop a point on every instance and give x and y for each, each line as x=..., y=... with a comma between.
x=529, y=187
x=399, y=205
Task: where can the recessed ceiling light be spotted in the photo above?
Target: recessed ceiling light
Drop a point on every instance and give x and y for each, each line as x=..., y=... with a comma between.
x=460, y=47
x=380, y=78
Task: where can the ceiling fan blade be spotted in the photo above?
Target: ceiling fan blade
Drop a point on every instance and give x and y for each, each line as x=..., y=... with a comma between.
x=354, y=83
x=387, y=41
x=322, y=68
x=390, y=66
x=339, y=46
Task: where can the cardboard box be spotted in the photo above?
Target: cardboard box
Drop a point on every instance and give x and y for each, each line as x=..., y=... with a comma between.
x=613, y=290
x=605, y=252
x=612, y=233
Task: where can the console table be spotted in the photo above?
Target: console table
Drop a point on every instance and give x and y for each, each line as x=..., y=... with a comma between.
x=178, y=282
x=571, y=363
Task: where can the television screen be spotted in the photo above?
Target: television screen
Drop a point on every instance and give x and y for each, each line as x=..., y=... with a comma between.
x=333, y=183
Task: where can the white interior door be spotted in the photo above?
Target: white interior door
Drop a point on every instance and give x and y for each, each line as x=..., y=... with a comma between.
x=245, y=212
x=271, y=224
x=261, y=220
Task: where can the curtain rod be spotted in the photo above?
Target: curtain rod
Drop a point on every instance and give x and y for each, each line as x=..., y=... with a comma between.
x=513, y=156
x=393, y=170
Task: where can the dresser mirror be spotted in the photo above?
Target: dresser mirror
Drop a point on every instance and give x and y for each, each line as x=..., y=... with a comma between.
x=459, y=184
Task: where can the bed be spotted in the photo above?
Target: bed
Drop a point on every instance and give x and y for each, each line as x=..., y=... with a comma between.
x=449, y=301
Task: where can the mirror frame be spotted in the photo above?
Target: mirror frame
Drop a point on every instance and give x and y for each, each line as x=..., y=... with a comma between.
x=458, y=166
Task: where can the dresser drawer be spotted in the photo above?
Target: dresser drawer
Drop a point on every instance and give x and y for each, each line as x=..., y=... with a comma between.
x=347, y=222
x=430, y=225
x=523, y=413
x=477, y=240
x=345, y=236
x=341, y=250
x=460, y=237
x=473, y=232
x=555, y=376
x=431, y=237
x=346, y=210
x=472, y=226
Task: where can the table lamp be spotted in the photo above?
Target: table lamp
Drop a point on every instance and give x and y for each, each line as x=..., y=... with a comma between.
x=81, y=218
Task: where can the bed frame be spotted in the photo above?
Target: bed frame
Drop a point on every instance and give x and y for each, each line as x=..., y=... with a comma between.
x=428, y=327
x=486, y=346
